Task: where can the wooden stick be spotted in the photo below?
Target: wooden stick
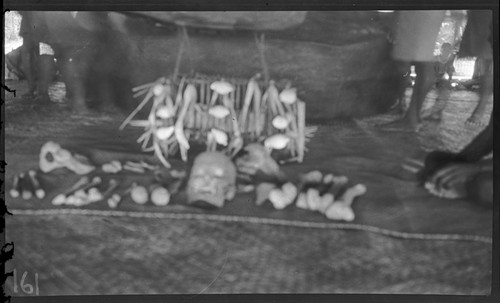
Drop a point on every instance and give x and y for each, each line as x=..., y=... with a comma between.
x=301, y=119
x=178, y=97
x=144, y=86
x=137, y=109
x=142, y=92
x=159, y=154
x=246, y=103
x=256, y=106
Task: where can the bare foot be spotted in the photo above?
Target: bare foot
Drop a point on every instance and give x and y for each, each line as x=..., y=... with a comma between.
x=475, y=120
x=403, y=124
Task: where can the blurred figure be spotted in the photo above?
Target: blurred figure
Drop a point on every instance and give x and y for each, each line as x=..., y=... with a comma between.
x=91, y=51
x=477, y=42
x=443, y=66
x=466, y=172
x=415, y=37
x=37, y=58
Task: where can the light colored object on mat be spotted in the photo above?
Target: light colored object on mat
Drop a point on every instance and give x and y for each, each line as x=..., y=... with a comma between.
x=39, y=191
x=112, y=167
x=53, y=156
x=284, y=196
x=314, y=176
x=212, y=179
x=257, y=159
x=77, y=190
x=139, y=194
x=341, y=209
x=15, y=190
x=159, y=195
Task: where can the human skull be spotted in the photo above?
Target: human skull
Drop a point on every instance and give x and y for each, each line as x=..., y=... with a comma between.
x=53, y=156
x=257, y=160
x=212, y=180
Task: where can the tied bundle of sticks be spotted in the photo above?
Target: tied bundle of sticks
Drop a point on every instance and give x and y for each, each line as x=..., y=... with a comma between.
x=220, y=112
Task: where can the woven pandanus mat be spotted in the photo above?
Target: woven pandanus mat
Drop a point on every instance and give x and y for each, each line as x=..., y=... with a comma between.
x=394, y=204
x=103, y=255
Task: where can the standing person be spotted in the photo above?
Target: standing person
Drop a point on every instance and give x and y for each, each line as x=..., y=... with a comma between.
x=443, y=65
x=415, y=37
x=467, y=173
x=37, y=58
x=477, y=42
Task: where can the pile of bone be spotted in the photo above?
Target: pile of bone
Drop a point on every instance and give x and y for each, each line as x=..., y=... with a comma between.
x=86, y=191
x=314, y=193
x=116, y=166
x=26, y=186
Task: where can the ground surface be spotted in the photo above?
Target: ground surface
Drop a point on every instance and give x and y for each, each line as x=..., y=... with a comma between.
x=114, y=255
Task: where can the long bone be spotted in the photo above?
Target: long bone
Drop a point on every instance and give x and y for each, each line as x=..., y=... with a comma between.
x=82, y=184
x=246, y=103
x=39, y=191
x=143, y=103
x=341, y=209
x=189, y=97
x=15, y=190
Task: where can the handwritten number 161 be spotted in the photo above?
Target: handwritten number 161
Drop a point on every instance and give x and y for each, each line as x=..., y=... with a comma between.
x=26, y=287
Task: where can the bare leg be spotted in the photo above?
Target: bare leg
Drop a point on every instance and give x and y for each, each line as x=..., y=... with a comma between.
x=485, y=93
x=28, y=66
x=441, y=101
x=46, y=68
x=73, y=73
x=423, y=83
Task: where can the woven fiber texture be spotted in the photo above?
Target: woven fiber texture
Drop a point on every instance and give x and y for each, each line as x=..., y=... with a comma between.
x=96, y=255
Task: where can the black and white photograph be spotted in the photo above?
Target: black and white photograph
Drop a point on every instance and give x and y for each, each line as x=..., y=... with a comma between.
x=257, y=151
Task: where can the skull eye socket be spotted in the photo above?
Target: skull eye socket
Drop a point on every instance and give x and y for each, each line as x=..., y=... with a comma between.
x=49, y=157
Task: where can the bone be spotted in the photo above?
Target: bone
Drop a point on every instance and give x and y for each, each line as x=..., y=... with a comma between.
x=411, y=169
x=144, y=86
x=114, y=200
x=39, y=191
x=159, y=195
x=340, y=211
x=81, y=184
x=139, y=194
x=325, y=202
x=134, y=167
x=278, y=199
x=137, y=109
x=352, y=193
x=189, y=97
x=15, y=190
x=25, y=189
x=53, y=156
x=302, y=201
x=112, y=167
x=313, y=199
x=112, y=185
